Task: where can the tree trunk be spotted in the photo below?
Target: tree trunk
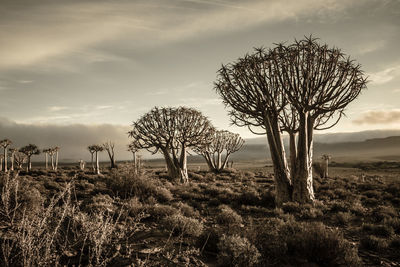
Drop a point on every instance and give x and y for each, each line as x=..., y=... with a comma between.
x=135, y=163
x=293, y=154
x=326, y=168
x=184, y=177
x=1, y=165
x=225, y=161
x=52, y=161
x=5, y=159
x=210, y=163
x=303, y=191
x=56, y=160
x=47, y=161
x=93, y=169
x=29, y=164
x=283, y=186
x=97, y=164
x=12, y=161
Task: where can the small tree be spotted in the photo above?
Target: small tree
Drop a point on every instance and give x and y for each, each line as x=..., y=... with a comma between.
x=133, y=147
x=109, y=147
x=29, y=151
x=325, y=158
x=20, y=158
x=92, y=151
x=217, y=153
x=295, y=88
x=172, y=131
x=96, y=149
x=5, y=143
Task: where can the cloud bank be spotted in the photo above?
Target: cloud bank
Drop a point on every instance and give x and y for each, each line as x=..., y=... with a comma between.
x=379, y=117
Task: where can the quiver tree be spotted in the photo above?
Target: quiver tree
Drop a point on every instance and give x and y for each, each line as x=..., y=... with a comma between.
x=5, y=143
x=46, y=155
x=55, y=150
x=11, y=154
x=96, y=149
x=325, y=163
x=20, y=158
x=172, y=131
x=295, y=88
x=92, y=151
x=29, y=151
x=133, y=147
x=109, y=147
x=216, y=153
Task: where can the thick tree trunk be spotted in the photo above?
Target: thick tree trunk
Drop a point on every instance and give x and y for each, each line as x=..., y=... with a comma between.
x=283, y=188
x=1, y=164
x=225, y=161
x=97, y=164
x=56, y=161
x=209, y=162
x=184, y=177
x=12, y=161
x=303, y=191
x=135, y=163
x=29, y=164
x=93, y=168
x=5, y=159
x=293, y=154
x=47, y=161
x=52, y=162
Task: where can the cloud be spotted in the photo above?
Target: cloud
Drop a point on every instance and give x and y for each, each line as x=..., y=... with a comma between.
x=379, y=117
x=72, y=138
x=37, y=32
x=384, y=76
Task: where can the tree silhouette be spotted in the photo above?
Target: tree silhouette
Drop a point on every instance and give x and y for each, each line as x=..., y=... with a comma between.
x=29, y=151
x=46, y=153
x=5, y=143
x=133, y=147
x=298, y=88
x=109, y=147
x=223, y=143
x=92, y=151
x=172, y=131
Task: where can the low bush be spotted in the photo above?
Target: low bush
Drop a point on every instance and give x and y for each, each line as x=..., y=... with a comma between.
x=373, y=243
x=378, y=230
x=237, y=251
x=182, y=225
x=228, y=217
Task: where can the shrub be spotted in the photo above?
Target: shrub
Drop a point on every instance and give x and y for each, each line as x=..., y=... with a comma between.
x=384, y=212
x=228, y=216
x=378, y=230
x=250, y=196
x=183, y=225
x=237, y=251
x=209, y=239
x=187, y=210
x=342, y=218
x=373, y=243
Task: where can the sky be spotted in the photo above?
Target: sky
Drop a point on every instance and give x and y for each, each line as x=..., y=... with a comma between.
x=82, y=65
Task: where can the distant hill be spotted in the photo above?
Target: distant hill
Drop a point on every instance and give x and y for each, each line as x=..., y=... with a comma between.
x=387, y=148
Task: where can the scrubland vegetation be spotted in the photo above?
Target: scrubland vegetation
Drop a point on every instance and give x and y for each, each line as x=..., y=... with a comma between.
x=75, y=217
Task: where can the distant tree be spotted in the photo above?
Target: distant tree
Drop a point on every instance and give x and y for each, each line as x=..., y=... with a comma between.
x=325, y=158
x=172, y=131
x=96, y=149
x=133, y=147
x=92, y=151
x=5, y=143
x=46, y=153
x=29, y=151
x=11, y=154
x=20, y=158
x=109, y=147
x=222, y=145
x=304, y=83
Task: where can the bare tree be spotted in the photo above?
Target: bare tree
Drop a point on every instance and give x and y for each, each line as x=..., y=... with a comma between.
x=109, y=147
x=11, y=152
x=5, y=143
x=295, y=88
x=92, y=151
x=96, y=149
x=29, y=151
x=217, y=153
x=172, y=131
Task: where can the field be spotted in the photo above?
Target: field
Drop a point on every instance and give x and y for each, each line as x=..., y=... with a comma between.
x=120, y=218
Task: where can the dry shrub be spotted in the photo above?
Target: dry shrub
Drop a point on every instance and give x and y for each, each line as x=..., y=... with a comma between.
x=342, y=218
x=228, y=217
x=237, y=251
x=182, y=225
x=378, y=230
x=373, y=243
x=187, y=210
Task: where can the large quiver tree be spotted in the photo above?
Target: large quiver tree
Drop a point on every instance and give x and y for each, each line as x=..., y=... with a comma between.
x=5, y=144
x=295, y=88
x=172, y=132
x=216, y=153
x=29, y=151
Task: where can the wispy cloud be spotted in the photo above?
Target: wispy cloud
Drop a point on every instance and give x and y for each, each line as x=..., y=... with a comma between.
x=379, y=117
x=42, y=31
x=384, y=76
